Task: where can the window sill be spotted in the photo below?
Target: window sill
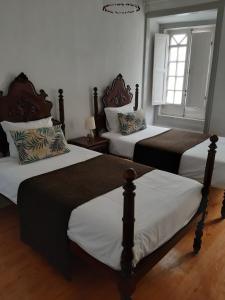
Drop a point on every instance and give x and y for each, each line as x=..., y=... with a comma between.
x=181, y=118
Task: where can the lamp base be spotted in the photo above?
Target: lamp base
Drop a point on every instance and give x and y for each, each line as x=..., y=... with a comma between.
x=91, y=137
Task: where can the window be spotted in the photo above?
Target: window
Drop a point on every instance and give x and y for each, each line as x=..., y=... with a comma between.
x=178, y=45
x=181, y=72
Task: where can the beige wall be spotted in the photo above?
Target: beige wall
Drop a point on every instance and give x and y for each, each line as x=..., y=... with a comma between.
x=69, y=44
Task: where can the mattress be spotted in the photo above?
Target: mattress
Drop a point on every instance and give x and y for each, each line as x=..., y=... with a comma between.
x=164, y=204
x=192, y=163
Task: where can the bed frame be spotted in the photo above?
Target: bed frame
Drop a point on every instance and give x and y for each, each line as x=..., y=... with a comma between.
x=24, y=104
x=129, y=276
x=117, y=95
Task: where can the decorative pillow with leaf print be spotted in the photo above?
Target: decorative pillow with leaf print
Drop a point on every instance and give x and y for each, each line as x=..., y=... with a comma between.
x=131, y=122
x=40, y=143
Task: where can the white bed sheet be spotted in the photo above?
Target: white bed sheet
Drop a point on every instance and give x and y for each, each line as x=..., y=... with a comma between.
x=164, y=203
x=192, y=163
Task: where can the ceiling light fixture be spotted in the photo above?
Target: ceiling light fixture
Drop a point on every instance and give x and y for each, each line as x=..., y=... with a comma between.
x=121, y=7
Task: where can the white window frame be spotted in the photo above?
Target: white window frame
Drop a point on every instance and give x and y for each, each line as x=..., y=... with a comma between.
x=178, y=110
x=187, y=32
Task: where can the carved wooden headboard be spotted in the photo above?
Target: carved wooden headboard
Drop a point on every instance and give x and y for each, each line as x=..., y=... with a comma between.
x=22, y=104
x=116, y=95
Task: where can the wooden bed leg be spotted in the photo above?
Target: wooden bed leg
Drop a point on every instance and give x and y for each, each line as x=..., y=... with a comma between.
x=223, y=208
x=126, y=280
x=205, y=193
x=198, y=235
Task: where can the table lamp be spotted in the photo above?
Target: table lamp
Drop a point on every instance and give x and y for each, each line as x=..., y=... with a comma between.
x=90, y=125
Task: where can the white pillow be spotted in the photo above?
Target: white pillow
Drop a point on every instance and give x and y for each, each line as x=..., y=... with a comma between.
x=112, y=122
x=7, y=126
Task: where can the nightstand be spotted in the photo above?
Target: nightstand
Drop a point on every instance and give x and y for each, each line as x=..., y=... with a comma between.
x=98, y=144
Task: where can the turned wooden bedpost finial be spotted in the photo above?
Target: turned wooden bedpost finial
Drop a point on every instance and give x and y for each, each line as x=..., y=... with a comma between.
x=95, y=101
x=136, y=96
x=61, y=109
x=95, y=94
x=205, y=192
x=126, y=284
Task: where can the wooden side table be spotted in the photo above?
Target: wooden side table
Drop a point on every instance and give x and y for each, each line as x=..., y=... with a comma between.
x=98, y=144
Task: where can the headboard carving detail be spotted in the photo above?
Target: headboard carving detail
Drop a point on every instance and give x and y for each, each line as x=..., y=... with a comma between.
x=22, y=104
x=116, y=95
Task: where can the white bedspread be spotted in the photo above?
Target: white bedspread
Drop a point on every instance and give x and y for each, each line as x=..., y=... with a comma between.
x=123, y=145
x=12, y=173
x=192, y=163
x=164, y=203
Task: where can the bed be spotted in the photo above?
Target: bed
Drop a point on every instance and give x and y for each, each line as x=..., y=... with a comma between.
x=54, y=196
x=176, y=151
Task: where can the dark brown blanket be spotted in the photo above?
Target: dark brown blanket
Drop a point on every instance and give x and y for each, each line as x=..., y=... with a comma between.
x=46, y=201
x=164, y=151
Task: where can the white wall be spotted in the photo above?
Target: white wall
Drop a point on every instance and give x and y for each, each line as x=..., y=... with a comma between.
x=69, y=44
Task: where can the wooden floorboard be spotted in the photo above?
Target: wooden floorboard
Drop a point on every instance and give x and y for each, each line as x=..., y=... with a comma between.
x=179, y=276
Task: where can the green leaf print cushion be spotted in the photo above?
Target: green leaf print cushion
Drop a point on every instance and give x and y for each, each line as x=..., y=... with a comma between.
x=40, y=143
x=131, y=122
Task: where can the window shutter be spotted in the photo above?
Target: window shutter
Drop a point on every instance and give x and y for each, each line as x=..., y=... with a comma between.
x=161, y=48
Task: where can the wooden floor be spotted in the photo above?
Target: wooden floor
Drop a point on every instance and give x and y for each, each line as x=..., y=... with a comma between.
x=24, y=275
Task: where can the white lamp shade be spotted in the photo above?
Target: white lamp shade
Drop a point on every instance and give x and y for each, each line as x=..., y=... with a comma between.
x=90, y=123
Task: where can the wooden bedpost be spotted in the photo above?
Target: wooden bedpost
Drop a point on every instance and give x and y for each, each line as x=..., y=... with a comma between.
x=126, y=284
x=205, y=193
x=96, y=109
x=61, y=110
x=95, y=101
x=136, y=96
x=223, y=207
